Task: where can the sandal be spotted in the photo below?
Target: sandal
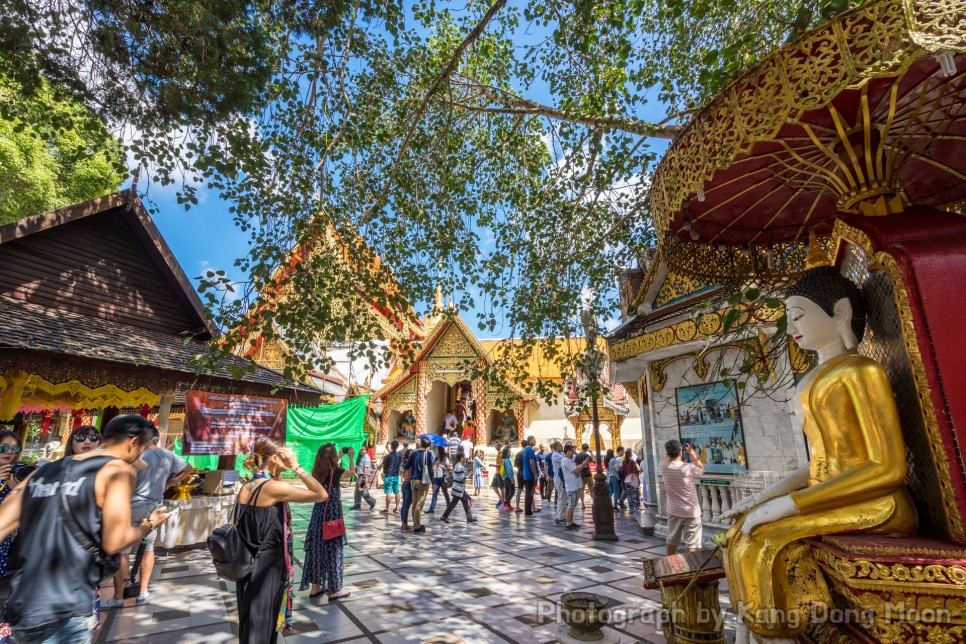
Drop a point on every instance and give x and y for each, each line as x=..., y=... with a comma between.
x=339, y=596
x=314, y=595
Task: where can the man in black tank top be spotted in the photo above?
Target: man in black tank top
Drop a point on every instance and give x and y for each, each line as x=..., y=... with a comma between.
x=52, y=595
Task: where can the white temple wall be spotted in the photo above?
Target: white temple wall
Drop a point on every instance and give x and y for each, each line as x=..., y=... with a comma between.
x=771, y=440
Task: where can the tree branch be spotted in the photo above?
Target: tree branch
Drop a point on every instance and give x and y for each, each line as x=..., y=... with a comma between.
x=523, y=106
x=437, y=84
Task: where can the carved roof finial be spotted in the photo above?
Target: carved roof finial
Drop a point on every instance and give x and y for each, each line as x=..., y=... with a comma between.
x=816, y=256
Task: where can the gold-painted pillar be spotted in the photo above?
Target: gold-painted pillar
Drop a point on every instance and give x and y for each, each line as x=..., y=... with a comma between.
x=422, y=392
x=12, y=394
x=384, y=426
x=482, y=435
x=578, y=430
x=520, y=407
x=615, y=432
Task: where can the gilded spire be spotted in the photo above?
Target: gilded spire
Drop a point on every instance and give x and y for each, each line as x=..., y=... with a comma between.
x=816, y=256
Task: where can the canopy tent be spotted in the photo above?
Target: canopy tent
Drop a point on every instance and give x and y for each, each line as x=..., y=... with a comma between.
x=307, y=429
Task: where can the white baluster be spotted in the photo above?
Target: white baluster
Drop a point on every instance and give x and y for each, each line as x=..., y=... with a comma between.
x=715, y=504
x=705, y=503
x=726, y=499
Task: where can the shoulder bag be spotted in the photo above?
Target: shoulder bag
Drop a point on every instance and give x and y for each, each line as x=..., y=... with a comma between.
x=336, y=527
x=232, y=558
x=108, y=565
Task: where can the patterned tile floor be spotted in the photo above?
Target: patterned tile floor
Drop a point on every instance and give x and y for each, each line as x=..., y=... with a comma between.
x=493, y=581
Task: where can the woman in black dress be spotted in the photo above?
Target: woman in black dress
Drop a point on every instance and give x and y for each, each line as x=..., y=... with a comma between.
x=261, y=520
x=324, y=558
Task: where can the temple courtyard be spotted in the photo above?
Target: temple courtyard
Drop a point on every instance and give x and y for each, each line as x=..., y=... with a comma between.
x=497, y=580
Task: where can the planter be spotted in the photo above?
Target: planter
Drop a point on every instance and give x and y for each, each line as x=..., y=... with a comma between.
x=585, y=614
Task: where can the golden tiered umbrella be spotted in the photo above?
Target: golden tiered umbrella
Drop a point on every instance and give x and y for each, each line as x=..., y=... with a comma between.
x=865, y=115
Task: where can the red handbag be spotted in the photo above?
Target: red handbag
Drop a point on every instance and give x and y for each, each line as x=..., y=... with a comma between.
x=336, y=527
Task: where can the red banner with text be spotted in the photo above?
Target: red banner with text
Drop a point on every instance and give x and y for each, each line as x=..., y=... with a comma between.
x=227, y=424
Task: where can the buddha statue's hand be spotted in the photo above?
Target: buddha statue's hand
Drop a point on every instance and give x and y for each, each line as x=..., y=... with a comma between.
x=742, y=506
x=769, y=512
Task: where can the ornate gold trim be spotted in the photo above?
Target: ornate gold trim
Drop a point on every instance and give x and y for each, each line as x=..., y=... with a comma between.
x=891, y=551
x=883, y=261
x=709, y=324
x=93, y=398
x=852, y=571
x=874, y=40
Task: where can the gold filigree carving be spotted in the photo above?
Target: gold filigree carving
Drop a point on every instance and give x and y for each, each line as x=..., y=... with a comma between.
x=687, y=330
x=871, y=41
x=892, y=551
x=677, y=286
x=701, y=367
x=860, y=569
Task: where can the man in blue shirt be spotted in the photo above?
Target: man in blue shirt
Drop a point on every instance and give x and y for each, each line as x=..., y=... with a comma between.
x=530, y=472
x=421, y=462
x=543, y=461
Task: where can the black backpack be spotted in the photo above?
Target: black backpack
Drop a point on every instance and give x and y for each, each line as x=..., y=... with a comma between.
x=232, y=558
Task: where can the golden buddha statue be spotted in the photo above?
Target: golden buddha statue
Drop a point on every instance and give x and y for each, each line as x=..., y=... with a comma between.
x=853, y=482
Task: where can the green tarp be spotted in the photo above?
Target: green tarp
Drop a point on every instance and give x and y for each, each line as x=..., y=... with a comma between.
x=307, y=429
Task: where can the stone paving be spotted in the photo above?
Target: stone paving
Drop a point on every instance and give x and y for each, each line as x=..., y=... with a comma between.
x=492, y=581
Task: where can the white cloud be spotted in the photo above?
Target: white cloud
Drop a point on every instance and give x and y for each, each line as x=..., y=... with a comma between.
x=230, y=296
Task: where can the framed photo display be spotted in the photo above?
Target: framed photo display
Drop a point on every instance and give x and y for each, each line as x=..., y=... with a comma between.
x=709, y=419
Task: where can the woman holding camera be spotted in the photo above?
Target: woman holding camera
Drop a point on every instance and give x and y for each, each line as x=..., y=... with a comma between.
x=10, y=449
x=324, y=558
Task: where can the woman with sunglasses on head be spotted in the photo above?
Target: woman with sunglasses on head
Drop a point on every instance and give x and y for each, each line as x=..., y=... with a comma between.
x=82, y=440
x=9, y=454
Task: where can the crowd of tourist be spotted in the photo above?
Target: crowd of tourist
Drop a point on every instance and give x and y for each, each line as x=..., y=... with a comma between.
x=78, y=518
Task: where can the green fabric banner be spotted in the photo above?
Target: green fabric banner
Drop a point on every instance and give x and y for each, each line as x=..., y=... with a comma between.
x=308, y=428
x=209, y=462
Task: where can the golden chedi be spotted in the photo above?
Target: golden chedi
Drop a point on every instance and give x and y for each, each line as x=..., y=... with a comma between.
x=853, y=482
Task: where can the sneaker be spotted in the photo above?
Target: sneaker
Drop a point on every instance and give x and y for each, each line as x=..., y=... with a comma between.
x=498, y=504
x=143, y=597
x=444, y=519
x=431, y=511
x=372, y=506
x=355, y=507
x=421, y=529
x=472, y=520
x=112, y=603
x=573, y=526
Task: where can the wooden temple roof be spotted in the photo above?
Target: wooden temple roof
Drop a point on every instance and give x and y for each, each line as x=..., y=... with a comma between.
x=96, y=281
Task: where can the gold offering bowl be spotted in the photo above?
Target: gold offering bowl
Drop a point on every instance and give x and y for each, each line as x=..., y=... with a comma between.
x=183, y=492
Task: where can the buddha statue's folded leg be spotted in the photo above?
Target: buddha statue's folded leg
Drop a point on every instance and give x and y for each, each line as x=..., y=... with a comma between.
x=771, y=573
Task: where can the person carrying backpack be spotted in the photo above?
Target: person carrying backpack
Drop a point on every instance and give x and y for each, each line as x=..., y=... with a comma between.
x=391, y=463
x=422, y=462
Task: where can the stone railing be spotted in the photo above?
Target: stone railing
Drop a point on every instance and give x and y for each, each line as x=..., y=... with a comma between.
x=717, y=496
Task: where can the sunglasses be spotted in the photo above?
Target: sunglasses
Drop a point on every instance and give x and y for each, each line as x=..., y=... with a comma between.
x=94, y=438
x=10, y=448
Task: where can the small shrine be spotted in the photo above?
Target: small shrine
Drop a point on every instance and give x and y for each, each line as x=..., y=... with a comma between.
x=437, y=392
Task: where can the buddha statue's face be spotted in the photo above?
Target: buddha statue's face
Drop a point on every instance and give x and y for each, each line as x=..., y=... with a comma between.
x=811, y=327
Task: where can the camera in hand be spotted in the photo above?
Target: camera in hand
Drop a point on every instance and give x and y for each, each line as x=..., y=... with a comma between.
x=345, y=450
x=20, y=471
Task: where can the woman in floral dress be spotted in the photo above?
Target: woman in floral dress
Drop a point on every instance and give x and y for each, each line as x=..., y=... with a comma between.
x=325, y=558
